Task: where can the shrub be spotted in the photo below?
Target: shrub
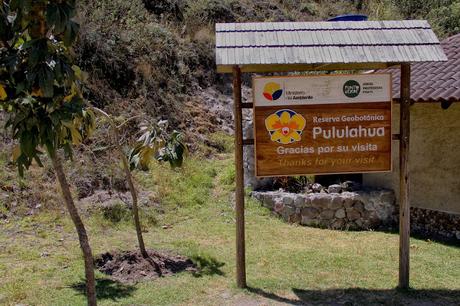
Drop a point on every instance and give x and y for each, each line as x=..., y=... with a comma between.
x=209, y=11
x=416, y=8
x=116, y=212
x=445, y=20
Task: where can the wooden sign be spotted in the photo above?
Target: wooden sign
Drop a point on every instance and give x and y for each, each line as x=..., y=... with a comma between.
x=322, y=124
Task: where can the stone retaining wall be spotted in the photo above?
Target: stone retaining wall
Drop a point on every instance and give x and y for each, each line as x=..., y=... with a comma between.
x=347, y=210
x=435, y=224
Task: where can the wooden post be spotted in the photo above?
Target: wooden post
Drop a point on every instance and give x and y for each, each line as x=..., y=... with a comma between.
x=404, y=204
x=239, y=192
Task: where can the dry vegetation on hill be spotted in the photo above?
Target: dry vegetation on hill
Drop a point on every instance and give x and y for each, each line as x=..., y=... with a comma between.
x=154, y=59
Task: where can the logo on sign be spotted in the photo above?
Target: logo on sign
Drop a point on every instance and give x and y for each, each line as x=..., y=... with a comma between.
x=285, y=126
x=272, y=91
x=351, y=89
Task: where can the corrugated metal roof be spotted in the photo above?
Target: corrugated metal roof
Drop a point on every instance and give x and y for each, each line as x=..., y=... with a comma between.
x=287, y=43
x=434, y=82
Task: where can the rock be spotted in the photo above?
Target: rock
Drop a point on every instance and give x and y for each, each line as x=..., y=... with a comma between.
x=320, y=200
x=350, y=186
x=310, y=212
x=387, y=196
x=299, y=201
x=359, y=223
x=374, y=221
x=367, y=214
x=353, y=214
x=326, y=214
x=258, y=195
x=382, y=214
x=335, y=202
x=288, y=200
x=308, y=221
x=352, y=226
x=335, y=188
x=269, y=202
x=295, y=218
x=348, y=200
x=358, y=206
x=369, y=205
x=457, y=235
x=278, y=207
x=317, y=187
x=287, y=210
x=337, y=224
x=324, y=223
x=340, y=214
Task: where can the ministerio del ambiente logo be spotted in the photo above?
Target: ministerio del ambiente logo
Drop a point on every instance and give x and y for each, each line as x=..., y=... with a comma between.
x=272, y=91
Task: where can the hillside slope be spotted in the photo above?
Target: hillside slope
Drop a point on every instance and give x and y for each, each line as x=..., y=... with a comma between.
x=154, y=59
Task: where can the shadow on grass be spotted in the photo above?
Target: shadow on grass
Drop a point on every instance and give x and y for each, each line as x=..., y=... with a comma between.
x=207, y=265
x=106, y=289
x=360, y=296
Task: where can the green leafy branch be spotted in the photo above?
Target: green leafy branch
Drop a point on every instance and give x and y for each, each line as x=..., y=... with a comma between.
x=156, y=143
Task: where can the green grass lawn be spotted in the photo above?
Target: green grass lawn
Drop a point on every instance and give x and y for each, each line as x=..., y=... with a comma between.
x=41, y=264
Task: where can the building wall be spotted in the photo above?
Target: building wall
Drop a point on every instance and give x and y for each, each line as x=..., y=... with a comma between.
x=434, y=158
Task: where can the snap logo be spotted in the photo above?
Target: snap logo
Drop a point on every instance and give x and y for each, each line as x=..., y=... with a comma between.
x=285, y=126
x=272, y=91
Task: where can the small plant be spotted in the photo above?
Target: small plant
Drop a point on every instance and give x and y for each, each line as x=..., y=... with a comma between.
x=156, y=143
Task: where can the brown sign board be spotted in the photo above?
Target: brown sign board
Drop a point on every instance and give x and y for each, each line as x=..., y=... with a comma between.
x=322, y=124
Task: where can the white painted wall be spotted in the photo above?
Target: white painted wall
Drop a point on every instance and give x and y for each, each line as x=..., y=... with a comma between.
x=434, y=158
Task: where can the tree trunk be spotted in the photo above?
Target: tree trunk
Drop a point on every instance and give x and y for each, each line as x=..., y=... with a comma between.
x=137, y=221
x=132, y=189
x=82, y=236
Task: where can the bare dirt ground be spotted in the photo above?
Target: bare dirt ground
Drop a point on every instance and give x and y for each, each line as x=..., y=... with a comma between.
x=130, y=267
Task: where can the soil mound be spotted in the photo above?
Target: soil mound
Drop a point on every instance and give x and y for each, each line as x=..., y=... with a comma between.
x=132, y=267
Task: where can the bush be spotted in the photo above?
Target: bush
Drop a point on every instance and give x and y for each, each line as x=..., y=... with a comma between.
x=415, y=8
x=209, y=12
x=446, y=20
x=116, y=212
x=171, y=7
x=310, y=8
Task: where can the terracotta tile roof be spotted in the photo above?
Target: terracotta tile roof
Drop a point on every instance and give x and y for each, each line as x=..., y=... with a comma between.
x=434, y=82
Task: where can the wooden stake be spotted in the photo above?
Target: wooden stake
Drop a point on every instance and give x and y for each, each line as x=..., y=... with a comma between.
x=239, y=193
x=404, y=204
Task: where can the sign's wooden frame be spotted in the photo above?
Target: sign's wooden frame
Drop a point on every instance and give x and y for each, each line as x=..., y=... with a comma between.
x=390, y=89
x=403, y=137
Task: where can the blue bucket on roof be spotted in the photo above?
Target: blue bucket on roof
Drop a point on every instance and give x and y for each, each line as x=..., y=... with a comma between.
x=349, y=17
